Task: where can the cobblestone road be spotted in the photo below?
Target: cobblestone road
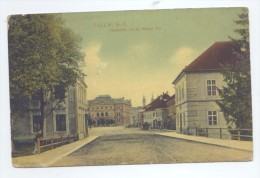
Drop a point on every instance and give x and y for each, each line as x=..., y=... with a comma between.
x=146, y=148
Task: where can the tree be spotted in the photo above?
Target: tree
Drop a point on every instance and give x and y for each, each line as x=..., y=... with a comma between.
x=44, y=60
x=236, y=104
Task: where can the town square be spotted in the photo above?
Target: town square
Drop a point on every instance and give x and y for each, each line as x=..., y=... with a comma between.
x=130, y=87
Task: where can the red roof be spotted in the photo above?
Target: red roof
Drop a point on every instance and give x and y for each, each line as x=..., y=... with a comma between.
x=220, y=53
x=159, y=102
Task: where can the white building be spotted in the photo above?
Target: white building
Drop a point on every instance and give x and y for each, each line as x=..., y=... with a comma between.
x=134, y=115
x=196, y=91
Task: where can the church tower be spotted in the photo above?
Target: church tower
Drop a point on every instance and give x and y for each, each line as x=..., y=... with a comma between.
x=144, y=101
x=152, y=99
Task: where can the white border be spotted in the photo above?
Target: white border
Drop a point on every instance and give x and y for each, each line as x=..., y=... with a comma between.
x=201, y=170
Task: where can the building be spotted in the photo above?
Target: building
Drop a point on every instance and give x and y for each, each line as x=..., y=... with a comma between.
x=105, y=110
x=61, y=118
x=171, y=117
x=155, y=113
x=77, y=111
x=196, y=90
x=136, y=116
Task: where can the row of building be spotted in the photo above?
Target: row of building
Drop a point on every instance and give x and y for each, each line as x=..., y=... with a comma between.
x=194, y=103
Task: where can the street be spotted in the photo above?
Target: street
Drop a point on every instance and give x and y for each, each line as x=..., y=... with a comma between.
x=118, y=145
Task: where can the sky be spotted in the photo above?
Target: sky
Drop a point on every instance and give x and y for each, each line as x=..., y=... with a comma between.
x=132, y=54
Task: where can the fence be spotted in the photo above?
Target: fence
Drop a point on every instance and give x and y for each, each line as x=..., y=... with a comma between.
x=48, y=143
x=235, y=134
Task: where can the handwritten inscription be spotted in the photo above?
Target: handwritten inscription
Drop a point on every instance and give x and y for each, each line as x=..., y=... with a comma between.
x=124, y=27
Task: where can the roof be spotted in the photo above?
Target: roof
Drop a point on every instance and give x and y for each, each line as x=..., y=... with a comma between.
x=159, y=102
x=171, y=100
x=107, y=99
x=220, y=53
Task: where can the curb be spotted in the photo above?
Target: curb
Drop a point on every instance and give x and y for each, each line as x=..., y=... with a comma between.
x=49, y=163
x=207, y=143
x=38, y=161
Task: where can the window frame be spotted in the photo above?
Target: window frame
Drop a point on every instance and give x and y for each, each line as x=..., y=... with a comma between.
x=38, y=124
x=211, y=88
x=60, y=127
x=212, y=118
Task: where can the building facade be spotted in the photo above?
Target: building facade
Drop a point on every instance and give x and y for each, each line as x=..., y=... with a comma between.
x=105, y=110
x=171, y=117
x=196, y=91
x=77, y=111
x=155, y=113
x=136, y=116
x=61, y=118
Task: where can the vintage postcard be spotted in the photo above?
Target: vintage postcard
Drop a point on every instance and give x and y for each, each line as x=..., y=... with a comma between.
x=130, y=87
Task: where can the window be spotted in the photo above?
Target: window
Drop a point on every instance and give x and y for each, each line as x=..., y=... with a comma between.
x=60, y=122
x=211, y=87
x=35, y=103
x=36, y=123
x=97, y=114
x=106, y=114
x=212, y=117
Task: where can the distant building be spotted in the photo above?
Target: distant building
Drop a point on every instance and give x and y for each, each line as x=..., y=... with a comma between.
x=136, y=116
x=155, y=113
x=104, y=109
x=196, y=90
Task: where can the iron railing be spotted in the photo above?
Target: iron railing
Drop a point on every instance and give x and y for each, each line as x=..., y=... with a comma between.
x=236, y=134
x=44, y=144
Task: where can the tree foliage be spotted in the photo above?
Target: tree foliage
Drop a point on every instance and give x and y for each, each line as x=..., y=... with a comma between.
x=236, y=104
x=44, y=59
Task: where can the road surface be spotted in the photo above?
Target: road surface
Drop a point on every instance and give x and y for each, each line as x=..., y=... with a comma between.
x=117, y=146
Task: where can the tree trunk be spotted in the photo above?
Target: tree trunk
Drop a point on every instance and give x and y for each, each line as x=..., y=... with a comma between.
x=42, y=106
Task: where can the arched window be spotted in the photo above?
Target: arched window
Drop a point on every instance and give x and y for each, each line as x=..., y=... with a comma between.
x=106, y=114
x=102, y=114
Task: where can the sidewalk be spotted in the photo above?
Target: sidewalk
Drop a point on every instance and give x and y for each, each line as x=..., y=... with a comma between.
x=47, y=158
x=235, y=144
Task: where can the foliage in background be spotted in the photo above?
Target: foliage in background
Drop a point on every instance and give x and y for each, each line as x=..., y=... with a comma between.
x=237, y=104
x=44, y=60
